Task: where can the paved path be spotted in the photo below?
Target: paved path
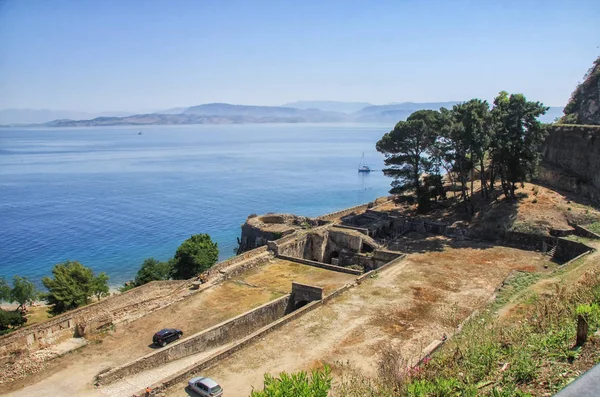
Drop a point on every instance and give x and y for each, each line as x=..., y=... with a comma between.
x=134, y=383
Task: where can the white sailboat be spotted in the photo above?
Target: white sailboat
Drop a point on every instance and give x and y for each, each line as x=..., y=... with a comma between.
x=362, y=167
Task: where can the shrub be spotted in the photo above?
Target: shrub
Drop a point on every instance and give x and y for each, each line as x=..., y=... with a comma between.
x=194, y=256
x=9, y=320
x=72, y=286
x=298, y=384
x=153, y=270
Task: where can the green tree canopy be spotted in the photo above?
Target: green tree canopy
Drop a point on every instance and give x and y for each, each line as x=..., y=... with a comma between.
x=405, y=149
x=4, y=290
x=100, y=285
x=9, y=320
x=197, y=254
x=72, y=286
x=519, y=136
x=23, y=291
x=152, y=270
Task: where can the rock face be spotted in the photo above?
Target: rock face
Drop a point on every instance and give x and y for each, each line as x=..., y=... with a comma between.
x=584, y=106
x=571, y=159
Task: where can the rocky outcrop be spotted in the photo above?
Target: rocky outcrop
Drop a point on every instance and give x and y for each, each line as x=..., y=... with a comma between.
x=571, y=159
x=584, y=106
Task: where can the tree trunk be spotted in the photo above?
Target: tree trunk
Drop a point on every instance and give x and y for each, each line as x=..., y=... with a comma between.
x=484, y=191
x=503, y=183
x=582, y=331
x=472, y=175
x=463, y=182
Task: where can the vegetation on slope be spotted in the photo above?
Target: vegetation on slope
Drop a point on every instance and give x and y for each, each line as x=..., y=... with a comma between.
x=502, y=142
x=527, y=350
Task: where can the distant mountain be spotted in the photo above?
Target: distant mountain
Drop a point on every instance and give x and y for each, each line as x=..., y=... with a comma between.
x=329, y=106
x=171, y=111
x=260, y=112
x=397, y=111
x=36, y=116
x=223, y=113
x=212, y=114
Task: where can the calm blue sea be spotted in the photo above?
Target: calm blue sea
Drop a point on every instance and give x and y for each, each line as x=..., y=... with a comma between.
x=109, y=197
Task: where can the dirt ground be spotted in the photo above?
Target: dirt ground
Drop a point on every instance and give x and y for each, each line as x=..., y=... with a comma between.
x=73, y=373
x=536, y=207
x=408, y=305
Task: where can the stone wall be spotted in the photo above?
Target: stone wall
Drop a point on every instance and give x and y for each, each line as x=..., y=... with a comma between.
x=571, y=159
x=95, y=317
x=568, y=249
x=221, y=334
x=321, y=265
x=303, y=293
x=583, y=232
x=565, y=249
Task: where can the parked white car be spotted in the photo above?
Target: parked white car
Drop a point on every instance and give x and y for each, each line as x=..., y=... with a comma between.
x=205, y=387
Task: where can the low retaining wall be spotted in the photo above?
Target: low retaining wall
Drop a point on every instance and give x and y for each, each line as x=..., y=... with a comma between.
x=583, y=232
x=218, y=335
x=565, y=249
x=362, y=230
x=321, y=265
x=568, y=249
x=215, y=358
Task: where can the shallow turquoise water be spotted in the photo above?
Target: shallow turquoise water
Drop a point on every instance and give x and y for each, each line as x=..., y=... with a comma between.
x=109, y=197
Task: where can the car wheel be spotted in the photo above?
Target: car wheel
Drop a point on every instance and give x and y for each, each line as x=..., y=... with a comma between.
x=163, y=343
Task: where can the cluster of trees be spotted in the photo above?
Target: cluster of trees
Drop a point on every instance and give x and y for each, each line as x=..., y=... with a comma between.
x=194, y=256
x=73, y=286
x=500, y=143
x=22, y=292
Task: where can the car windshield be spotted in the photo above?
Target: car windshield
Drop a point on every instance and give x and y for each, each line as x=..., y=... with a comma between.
x=216, y=389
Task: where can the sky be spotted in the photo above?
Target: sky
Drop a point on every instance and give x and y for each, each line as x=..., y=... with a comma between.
x=129, y=55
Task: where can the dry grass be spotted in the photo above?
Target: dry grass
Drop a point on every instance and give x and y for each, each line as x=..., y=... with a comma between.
x=279, y=274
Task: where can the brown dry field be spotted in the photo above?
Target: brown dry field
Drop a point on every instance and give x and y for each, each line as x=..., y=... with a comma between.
x=407, y=305
x=73, y=373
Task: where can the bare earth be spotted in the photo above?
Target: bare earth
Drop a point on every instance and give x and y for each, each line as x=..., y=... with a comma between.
x=409, y=305
x=72, y=374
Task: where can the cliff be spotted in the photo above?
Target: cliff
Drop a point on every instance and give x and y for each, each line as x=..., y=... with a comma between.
x=584, y=106
x=571, y=159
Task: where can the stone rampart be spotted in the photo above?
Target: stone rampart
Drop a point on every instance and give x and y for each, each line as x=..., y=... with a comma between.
x=221, y=334
x=93, y=317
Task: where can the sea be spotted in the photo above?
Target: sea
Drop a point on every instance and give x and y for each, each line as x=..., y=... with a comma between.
x=109, y=197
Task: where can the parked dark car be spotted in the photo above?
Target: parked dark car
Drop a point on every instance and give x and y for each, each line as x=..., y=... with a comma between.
x=167, y=335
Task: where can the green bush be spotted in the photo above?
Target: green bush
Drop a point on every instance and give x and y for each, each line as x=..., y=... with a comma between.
x=72, y=286
x=194, y=256
x=153, y=270
x=9, y=320
x=298, y=384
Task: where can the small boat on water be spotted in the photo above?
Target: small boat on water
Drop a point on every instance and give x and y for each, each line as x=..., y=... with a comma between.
x=362, y=167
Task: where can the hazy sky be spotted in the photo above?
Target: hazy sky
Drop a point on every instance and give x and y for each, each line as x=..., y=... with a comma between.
x=96, y=55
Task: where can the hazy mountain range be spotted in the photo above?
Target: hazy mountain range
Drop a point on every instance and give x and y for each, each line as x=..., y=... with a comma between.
x=223, y=113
